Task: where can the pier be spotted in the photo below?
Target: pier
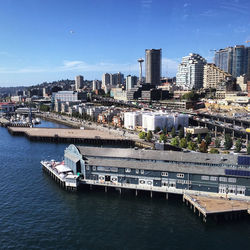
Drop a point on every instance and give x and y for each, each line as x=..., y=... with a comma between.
x=208, y=206
x=61, y=174
x=62, y=135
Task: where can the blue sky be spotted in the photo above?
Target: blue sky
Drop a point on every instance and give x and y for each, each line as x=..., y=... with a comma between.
x=46, y=40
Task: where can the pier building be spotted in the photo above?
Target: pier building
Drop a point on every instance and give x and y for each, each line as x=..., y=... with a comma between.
x=162, y=171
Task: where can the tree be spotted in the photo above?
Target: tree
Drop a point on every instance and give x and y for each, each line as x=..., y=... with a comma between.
x=164, y=130
x=228, y=142
x=157, y=129
x=199, y=139
x=175, y=142
x=214, y=151
x=183, y=143
x=248, y=149
x=217, y=142
x=163, y=138
x=173, y=132
x=192, y=145
x=238, y=145
x=188, y=137
x=203, y=147
x=149, y=136
x=208, y=139
x=181, y=132
x=142, y=135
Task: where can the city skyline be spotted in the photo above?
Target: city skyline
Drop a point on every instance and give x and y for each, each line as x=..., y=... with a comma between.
x=50, y=40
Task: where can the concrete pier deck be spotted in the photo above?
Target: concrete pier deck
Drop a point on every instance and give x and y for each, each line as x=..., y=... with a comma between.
x=213, y=206
x=69, y=135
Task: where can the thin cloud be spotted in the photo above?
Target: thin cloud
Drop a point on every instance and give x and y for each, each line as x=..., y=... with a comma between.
x=81, y=66
x=209, y=13
x=235, y=7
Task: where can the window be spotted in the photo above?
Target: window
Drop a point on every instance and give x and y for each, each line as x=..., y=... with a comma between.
x=142, y=182
x=180, y=175
x=87, y=167
x=142, y=171
x=164, y=173
x=213, y=178
x=205, y=178
x=94, y=168
x=137, y=171
x=223, y=179
x=127, y=170
x=232, y=180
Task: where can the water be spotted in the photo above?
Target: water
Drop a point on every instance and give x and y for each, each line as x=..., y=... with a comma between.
x=36, y=213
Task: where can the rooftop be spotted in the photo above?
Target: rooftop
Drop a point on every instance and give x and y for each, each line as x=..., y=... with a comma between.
x=158, y=155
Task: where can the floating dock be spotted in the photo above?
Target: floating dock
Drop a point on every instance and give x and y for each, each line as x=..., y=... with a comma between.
x=63, y=135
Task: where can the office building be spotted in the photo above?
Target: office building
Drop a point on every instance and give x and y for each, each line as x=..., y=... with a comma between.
x=131, y=81
x=105, y=80
x=79, y=82
x=153, y=66
x=234, y=60
x=190, y=72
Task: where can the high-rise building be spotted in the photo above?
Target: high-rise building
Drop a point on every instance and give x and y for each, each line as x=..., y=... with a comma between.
x=96, y=85
x=234, y=60
x=153, y=66
x=131, y=81
x=190, y=72
x=79, y=82
x=106, y=80
x=214, y=75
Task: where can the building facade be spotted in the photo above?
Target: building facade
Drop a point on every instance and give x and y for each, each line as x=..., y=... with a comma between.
x=162, y=171
x=190, y=72
x=213, y=75
x=79, y=82
x=234, y=60
x=131, y=81
x=153, y=66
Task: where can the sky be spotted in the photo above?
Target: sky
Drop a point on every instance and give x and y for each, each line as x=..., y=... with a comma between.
x=49, y=40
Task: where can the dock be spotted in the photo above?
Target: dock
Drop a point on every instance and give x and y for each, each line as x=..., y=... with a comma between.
x=64, y=135
x=215, y=206
x=61, y=174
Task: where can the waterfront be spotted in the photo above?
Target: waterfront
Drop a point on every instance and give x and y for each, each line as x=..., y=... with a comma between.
x=36, y=213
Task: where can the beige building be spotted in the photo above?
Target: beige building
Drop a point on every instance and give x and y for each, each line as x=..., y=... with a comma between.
x=241, y=83
x=196, y=130
x=213, y=76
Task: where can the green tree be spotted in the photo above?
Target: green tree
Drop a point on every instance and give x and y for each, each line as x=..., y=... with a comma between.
x=163, y=138
x=199, y=139
x=164, y=130
x=203, y=147
x=248, y=149
x=238, y=145
x=214, y=151
x=228, y=142
x=157, y=129
x=173, y=132
x=217, y=142
x=142, y=135
x=149, y=136
x=175, y=142
x=208, y=139
x=188, y=137
x=192, y=145
x=181, y=133
x=183, y=143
